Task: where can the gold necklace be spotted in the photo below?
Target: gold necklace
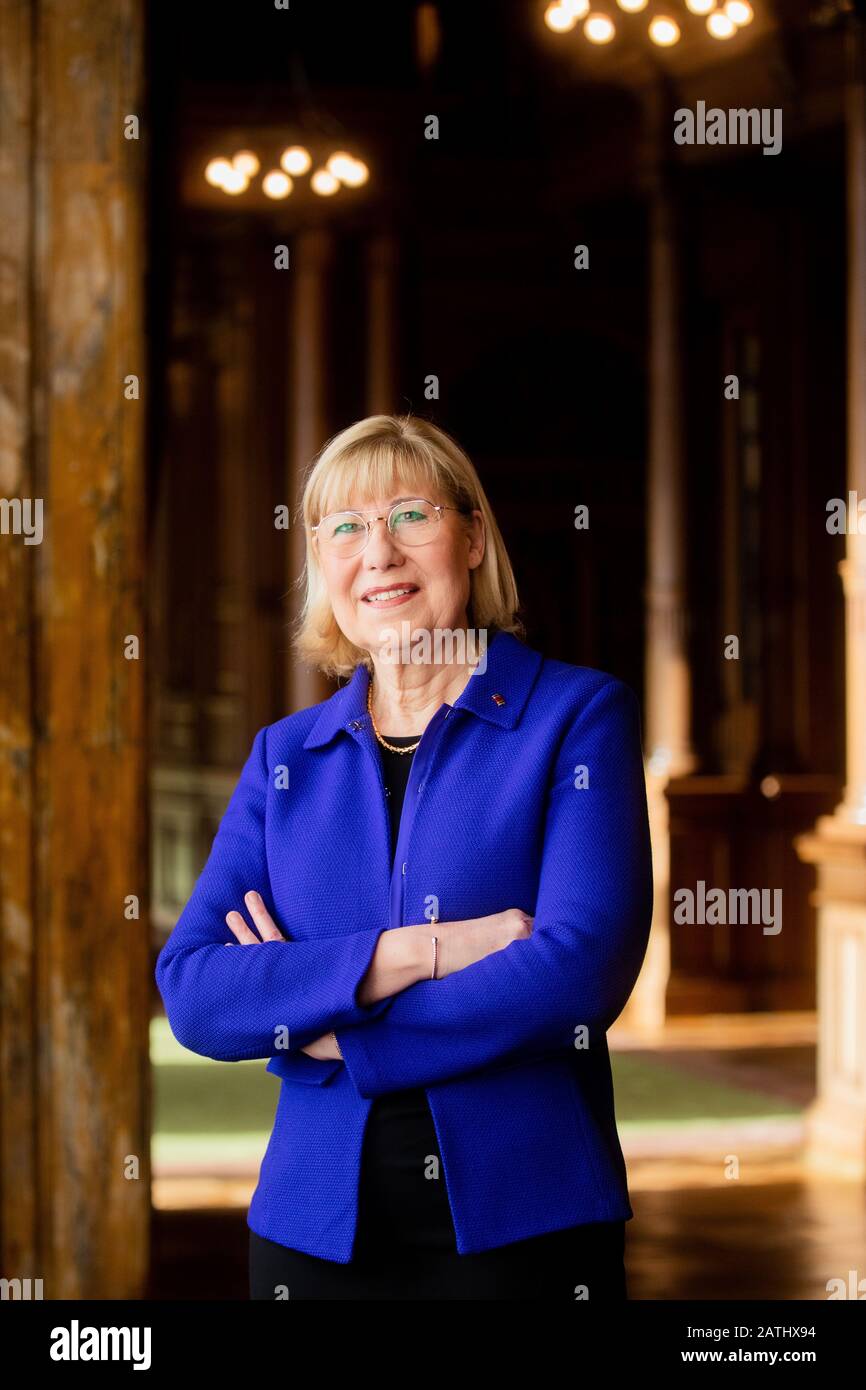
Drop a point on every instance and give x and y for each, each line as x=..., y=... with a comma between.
x=389, y=746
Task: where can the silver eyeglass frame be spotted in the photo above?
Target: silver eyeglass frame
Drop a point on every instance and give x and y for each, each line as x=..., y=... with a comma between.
x=438, y=507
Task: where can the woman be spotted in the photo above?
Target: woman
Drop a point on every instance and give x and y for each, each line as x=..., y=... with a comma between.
x=448, y=866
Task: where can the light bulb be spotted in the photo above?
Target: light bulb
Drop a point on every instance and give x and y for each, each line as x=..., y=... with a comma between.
x=559, y=19
x=739, y=11
x=247, y=162
x=340, y=164
x=324, y=183
x=720, y=26
x=276, y=184
x=664, y=31
x=235, y=182
x=356, y=174
x=295, y=159
x=599, y=29
x=216, y=171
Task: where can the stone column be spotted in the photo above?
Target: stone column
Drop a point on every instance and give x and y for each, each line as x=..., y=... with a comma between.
x=668, y=678
x=383, y=308
x=312, y=255
x=837, y=846
x=667, y=720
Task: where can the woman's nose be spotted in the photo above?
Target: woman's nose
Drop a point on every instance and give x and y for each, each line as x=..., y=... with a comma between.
x=381, y=540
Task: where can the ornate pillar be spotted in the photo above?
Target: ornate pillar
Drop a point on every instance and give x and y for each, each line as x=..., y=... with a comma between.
x=312, y=256
x=837, y=846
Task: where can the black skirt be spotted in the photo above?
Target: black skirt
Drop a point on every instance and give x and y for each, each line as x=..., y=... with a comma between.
x=405, y=1247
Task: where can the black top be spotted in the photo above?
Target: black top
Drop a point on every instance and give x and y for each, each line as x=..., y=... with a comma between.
x=400, y=1135
x=395, y=770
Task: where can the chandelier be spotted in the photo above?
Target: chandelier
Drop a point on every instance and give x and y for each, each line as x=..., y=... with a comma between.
x=340, y=170
x=722, y=20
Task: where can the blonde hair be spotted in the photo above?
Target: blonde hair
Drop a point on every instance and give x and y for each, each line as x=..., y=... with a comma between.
x=371, y=457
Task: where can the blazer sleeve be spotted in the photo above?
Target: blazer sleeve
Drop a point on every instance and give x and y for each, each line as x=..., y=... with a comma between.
x=232, y=1007
x=589, y=936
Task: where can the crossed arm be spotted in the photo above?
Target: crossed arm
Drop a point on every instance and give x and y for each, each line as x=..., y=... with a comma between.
x=237, y=1005
x=579, y=965
x=576, y=969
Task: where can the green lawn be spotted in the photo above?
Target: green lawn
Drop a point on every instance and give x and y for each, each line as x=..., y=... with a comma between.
x=204, y=1108
x=650, y=1092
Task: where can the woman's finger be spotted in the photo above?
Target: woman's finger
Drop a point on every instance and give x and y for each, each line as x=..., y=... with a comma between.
x=262, y=918
x=236, y=923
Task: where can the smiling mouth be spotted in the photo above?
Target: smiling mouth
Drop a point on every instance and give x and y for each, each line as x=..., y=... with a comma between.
x=388, y=595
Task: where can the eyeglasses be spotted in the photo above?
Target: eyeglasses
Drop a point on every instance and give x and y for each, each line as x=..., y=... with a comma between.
x=412, y=522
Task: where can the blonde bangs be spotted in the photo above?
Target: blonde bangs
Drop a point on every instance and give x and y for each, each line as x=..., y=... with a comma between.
x=379, y=467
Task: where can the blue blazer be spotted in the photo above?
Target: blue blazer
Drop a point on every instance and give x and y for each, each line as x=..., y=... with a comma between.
x=527, y=792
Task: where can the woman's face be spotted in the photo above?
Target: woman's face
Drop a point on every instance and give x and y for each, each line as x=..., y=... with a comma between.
x=437, y=574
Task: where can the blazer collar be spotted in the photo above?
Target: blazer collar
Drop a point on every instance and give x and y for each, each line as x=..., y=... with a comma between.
x=511, y=669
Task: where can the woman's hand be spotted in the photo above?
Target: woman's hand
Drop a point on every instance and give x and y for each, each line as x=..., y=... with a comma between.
x=262, y=918
x=464, y=943
x=323, y=1047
